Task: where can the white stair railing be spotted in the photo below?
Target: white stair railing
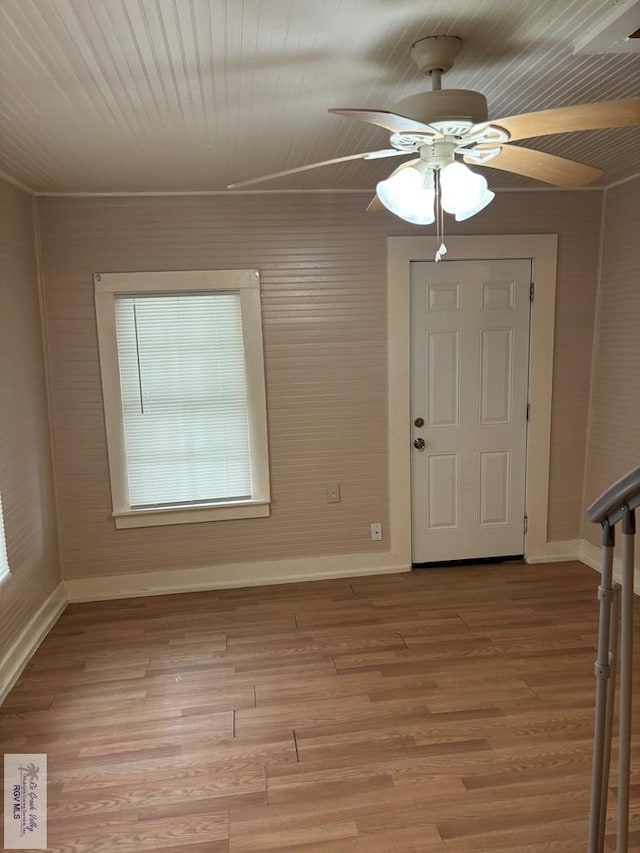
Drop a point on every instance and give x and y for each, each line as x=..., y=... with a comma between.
x=616, y=505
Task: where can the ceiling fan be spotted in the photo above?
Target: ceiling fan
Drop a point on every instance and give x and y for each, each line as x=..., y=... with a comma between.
x=446, y=128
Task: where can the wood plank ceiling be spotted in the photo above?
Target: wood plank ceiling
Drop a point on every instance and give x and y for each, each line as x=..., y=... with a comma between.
x=190, y=95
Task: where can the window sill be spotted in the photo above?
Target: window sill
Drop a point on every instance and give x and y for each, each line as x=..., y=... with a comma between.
x=161, y=517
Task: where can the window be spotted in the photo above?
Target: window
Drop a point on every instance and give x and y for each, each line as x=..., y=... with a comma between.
x=183, y=387
x=4, y=560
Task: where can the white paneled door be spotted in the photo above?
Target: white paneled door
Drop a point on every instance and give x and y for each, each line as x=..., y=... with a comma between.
x=469, y=379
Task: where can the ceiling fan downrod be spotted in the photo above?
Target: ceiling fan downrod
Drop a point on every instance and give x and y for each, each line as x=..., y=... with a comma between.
x=435, y=55
x=450, y=111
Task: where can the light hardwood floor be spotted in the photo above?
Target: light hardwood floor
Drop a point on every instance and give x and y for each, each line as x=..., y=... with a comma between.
x=444, y=710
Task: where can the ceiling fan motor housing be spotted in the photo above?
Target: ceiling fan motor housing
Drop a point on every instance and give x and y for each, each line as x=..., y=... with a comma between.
x=436, y=53
x=449, y=106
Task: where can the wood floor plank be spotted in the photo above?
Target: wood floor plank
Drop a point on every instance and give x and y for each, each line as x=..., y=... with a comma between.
x=162, y=834
x=442, y=711
x=297, y=838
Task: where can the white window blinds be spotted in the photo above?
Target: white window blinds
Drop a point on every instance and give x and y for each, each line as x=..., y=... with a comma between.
x=4, y=561
x=184, y=398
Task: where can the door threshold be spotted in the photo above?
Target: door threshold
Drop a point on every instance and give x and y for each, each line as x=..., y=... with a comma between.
x=470, y=561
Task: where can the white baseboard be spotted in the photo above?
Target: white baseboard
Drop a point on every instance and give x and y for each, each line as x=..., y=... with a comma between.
x=34, y=632
x=591, y=555
x=231, y=575
x=555, y=552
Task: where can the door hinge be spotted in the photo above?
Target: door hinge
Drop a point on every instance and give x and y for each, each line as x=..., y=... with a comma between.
x=526, y=524
x=532, y=291
x=528, y=411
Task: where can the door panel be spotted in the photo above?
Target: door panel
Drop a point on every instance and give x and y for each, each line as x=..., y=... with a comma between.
x=469, y=376
x=443, y=490
x=495, y=476
x=443, y=387
x=496, y=358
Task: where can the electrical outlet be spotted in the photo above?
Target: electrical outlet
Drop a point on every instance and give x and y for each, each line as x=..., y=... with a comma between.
x=333, y=493
x=376, y=531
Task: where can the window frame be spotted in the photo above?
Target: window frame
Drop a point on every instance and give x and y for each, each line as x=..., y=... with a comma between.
x=246, y=282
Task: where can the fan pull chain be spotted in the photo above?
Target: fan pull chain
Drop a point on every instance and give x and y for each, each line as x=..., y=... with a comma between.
x=442, y=249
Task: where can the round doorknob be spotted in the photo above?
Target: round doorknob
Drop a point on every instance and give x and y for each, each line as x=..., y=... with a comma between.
x=419, y=443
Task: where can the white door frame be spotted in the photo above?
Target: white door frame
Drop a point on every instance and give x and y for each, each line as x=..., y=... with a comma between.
x=401, y=251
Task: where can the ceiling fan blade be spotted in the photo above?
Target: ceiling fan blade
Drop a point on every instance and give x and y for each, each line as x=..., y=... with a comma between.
x=375, y=205
x=384, y=152
x=390, y=121
x=541, y=166
x=366, y=155
x=569, y=119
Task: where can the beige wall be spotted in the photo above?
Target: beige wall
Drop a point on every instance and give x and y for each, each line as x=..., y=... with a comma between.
x=614, y=430
x=25, y=459
x=323, y=268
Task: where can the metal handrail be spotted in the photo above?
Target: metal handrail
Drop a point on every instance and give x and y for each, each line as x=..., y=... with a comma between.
x=624, y=492
x=618, y=503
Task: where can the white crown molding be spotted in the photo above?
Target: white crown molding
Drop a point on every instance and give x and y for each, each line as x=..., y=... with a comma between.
x=196, y=193
x=15, y=182
x=622, y=181
x=232, y=193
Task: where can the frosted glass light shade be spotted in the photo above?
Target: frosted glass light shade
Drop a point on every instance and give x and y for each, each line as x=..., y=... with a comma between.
x=464, y=193
x=409, y=196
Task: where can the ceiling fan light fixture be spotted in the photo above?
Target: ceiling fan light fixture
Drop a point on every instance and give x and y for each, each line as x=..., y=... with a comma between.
x=464, y=192
x=409, y=194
